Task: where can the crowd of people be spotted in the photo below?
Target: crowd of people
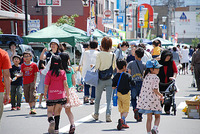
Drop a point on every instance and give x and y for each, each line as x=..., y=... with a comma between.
x=138, y=78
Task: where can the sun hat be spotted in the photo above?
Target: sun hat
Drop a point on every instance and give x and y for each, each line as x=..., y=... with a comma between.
x=16, y=56
x=55, y=41
x=153, y=64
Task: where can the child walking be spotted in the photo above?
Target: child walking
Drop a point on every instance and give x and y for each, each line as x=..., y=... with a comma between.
x=74, y=100
x=150, y=97
x=56, y=85
x=16, y=84
x=29, y=71
x=124, y=79
x=136, y=69
x=40, y=88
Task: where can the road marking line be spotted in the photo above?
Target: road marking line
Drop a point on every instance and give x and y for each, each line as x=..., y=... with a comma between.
x=182, y=105
x=82, y=120
x=180, y=97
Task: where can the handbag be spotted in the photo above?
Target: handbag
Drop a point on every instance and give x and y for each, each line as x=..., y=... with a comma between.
x=106, y=74
x=92, y=77
x=115, y=97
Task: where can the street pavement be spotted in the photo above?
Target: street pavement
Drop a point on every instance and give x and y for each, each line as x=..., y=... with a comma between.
x=20, y=122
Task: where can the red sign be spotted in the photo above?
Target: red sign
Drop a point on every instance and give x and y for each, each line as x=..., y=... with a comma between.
x=150, y=15
x=107, y=13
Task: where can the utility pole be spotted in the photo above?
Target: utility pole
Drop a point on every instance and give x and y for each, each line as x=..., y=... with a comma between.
x=26, y=17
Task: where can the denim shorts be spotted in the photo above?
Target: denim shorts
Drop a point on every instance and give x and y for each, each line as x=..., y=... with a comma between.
x=143, y=111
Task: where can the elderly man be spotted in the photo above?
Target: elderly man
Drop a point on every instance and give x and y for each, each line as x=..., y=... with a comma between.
x=195, y=65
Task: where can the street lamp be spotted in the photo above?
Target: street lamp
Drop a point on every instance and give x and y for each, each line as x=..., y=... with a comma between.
x=164, y=27
x=141, y=19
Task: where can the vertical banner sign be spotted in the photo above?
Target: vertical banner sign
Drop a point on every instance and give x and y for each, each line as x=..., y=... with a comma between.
x=130, y=21
x=88, y=27
x=92, y=11
x=176, y=38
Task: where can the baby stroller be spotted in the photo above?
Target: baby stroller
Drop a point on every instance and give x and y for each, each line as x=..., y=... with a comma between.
x=169, y=94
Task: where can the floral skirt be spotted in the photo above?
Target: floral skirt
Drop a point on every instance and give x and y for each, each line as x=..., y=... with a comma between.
x=74, y=100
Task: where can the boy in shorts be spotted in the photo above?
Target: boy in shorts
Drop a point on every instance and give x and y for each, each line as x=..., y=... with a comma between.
x=123, y=92
x=29, y=72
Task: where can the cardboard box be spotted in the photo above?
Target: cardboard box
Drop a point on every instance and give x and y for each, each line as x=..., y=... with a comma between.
x=194, y=112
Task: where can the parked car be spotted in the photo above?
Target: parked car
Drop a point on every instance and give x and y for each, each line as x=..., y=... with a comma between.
x=5, y=39
x=37, y=47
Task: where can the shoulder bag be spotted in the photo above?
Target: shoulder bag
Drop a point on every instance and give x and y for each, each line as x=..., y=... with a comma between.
x=106, y=74
x=92, y=77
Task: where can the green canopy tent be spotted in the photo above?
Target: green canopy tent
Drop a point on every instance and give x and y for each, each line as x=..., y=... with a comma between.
x=163, y=41
x=60, y=33
x=53, y=31
x=99, y=34
x=73, y=30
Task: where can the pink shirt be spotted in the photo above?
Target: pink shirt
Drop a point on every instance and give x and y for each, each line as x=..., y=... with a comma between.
x=56, y=85
x=148, y=100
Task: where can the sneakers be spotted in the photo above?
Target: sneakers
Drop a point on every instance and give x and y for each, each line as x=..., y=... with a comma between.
x=51, y=127
x=154, y=131
x=18, y=108
x=137, y=116
x=40, y=106
x=72, y=129
x=108, y=119
x=95, y=116
x=125, y=126
x=32, y=111
x=13, y=108
x=91, y=101
x=120, y=123
x=85, y=100
x=56, y=131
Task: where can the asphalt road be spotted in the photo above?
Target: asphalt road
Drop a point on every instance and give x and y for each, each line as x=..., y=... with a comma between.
x=20, y=122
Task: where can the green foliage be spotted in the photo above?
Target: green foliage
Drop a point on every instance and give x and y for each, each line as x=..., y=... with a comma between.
x=195, y=41
x=1, y=31
x=67, y=20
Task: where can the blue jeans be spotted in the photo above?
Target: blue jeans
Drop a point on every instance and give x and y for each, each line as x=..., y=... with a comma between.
x=108, y=85
x=135, y=91
x=87, y=89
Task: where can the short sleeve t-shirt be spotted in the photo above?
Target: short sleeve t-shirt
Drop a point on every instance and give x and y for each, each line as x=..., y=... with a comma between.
x=124, y=84
x=15, y=70
x=136, y=73
x=29, y=71
x=4, y=64
x=148, y=100
x=56, y=88
x=69, y=77
x=156, y=51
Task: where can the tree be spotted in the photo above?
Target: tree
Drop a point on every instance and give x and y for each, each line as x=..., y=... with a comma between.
x=67, y=20
x=195, y=41
x=1, y=31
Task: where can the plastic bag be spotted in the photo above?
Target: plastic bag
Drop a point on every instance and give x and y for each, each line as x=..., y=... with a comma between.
x=78, y=77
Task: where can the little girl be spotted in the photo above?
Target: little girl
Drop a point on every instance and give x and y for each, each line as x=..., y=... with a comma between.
x=56, y=85
x=40, y=88
x=150, y=97
x=73, y=97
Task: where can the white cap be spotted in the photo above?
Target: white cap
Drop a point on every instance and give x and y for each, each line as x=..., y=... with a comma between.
x=55, y=41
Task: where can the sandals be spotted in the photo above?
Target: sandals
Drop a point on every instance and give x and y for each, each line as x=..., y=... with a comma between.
x=72, y=129
x=91, y=101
